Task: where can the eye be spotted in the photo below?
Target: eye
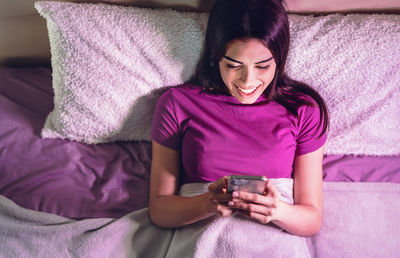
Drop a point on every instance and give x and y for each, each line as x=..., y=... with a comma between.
x=263, y=67
x=232, y=66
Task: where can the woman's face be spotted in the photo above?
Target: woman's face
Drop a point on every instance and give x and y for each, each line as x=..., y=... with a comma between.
x=247, y=69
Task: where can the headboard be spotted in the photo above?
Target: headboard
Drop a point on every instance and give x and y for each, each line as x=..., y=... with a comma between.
x=24, y=40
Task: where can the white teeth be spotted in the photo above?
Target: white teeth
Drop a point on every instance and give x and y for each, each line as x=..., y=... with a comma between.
x=247, y=91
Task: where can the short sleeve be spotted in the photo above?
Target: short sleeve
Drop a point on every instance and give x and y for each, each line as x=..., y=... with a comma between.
x=309, y=137
x=165, y=127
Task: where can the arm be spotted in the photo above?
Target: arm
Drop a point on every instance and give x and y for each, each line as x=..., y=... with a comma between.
x=304, y=217
x=166, y=208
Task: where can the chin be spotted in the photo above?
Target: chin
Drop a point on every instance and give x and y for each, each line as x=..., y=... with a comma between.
x=247, y=101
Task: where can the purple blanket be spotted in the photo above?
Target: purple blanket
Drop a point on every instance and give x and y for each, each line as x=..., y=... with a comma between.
x=58, y=176
x=79, y=181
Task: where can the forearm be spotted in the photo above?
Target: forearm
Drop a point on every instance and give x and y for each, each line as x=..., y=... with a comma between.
x=303, y=220
x=175, y=211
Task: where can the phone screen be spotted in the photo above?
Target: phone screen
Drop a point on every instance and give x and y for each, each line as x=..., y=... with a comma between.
x=252, y=184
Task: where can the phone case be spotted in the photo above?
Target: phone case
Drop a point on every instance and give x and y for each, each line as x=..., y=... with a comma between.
x=252, y=184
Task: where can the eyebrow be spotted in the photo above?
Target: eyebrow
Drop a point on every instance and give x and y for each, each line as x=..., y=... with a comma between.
x=236, y=61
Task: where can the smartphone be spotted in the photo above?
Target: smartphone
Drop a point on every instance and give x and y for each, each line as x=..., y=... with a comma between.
x=252, y=184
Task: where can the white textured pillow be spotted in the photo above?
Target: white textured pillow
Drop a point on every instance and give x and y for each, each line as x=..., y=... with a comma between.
x=353, y=61
x=107, y=62
x=110, y=64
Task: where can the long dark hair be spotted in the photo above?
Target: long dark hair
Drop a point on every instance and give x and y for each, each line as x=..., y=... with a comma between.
x=267, y=21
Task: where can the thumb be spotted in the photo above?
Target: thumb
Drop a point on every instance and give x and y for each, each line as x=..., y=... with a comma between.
x=272, y=191
x=218, y=185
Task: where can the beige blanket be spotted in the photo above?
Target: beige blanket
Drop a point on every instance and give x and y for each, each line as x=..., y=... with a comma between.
x=360, y=220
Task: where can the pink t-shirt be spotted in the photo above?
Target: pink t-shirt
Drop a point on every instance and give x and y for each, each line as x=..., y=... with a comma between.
x=217, y=135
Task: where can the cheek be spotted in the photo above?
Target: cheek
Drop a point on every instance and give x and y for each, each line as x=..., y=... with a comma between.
x=268, y=77
x=226, y=75
x=222, y=72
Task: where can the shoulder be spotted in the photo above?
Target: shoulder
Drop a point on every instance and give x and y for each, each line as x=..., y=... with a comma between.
x=179, y=99
x=298, y=104
x=185, y=95
x=176, y=93
x=181, y=90
x=309, y=115
x=309, y=105
x=310, y=123
x=306, y=104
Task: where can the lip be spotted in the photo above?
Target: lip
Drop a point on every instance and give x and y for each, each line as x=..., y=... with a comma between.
x=245, y=95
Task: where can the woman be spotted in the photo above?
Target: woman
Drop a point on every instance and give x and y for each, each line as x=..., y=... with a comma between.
x=240, y=114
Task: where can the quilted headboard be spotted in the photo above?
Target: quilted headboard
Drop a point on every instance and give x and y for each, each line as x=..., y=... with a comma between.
x=24, y=40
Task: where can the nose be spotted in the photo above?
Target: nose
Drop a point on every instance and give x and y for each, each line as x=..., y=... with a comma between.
x=247, y=77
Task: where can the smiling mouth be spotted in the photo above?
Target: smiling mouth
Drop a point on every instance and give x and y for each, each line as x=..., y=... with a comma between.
x=247, y=91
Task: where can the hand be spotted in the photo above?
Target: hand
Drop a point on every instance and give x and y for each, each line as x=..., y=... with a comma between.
x=262, y=208
x=218, y=197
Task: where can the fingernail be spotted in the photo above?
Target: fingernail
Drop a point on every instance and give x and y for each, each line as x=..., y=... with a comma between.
x=235, y=194
x=230, y=203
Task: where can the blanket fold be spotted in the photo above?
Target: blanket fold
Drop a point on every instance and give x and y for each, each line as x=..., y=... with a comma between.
x=360, y=220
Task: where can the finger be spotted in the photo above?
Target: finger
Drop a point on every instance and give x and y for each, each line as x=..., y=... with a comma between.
x=223, y=210
x=272, y=191
x=253, y=208
x=252, y=197
x=218, y=185
x=261, y=218
x=221, y=196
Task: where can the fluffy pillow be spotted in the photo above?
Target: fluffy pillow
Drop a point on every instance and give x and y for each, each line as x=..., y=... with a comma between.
x=354, y=63
x=110, y=63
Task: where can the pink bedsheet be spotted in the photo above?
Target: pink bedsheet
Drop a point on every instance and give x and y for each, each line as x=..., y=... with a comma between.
x=106, y=180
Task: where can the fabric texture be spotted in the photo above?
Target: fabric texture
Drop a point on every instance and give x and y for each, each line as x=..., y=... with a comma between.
x=109, y=60
x=219, y=136
x=232, y=236
x=71, y=179
x=80, y=181
x=352, y=62
x=359, y=220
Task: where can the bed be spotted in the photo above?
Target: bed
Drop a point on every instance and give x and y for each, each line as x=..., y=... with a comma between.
x=75, y=183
